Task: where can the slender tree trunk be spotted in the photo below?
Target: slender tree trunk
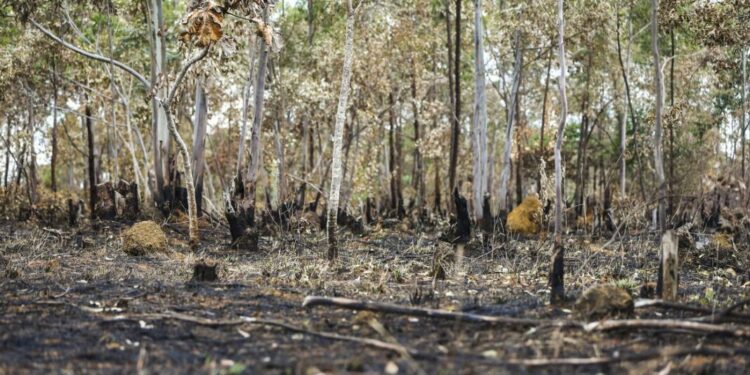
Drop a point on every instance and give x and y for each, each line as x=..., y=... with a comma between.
x=199, y=139
x=456, y=119
x=7, y=152
x=544, y=122
x=245, y=106
x=91, y=161
x=557, y=274
x=240, y=211
x=160, y=131
x=418, y=178
x=480, y=116
x=519, y=155
x=310, y=22
x=581, y=165
x=505, y=174
x=53, y=156
x=621, y=125
x=744, y=106
x=633, y=121
x=336, y=170
x=670, y=188
x=32, y=176
x=658, y=86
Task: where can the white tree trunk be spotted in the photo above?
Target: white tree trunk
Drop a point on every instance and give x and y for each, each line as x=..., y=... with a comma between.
x=336, y=170
x=480, y=115
x=160, y=131
x=658, y=153
x=199, y=137
x=557, y=275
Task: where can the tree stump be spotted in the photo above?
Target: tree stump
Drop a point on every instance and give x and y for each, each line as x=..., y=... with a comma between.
x=127, y=200
x=75, y=212
x=204, y=271
x=669, y=267
x=106, y=206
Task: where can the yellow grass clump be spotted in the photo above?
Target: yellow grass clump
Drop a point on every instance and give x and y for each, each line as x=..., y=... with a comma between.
x=526, y=218
x=144, y=238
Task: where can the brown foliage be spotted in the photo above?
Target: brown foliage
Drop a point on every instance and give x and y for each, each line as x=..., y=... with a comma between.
x=526, y=217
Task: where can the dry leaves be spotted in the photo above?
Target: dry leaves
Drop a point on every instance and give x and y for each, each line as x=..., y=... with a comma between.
x=203, y=26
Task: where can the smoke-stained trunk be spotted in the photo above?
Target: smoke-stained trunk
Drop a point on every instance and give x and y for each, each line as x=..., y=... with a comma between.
x=456, y=117
x=91, y=161
x=502, y=195
x=557, y=274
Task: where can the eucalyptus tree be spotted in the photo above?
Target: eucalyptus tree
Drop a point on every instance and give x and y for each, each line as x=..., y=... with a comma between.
x=557, y=273
x=338, y=135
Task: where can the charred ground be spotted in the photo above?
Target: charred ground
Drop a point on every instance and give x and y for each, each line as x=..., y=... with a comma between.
x=73, y=301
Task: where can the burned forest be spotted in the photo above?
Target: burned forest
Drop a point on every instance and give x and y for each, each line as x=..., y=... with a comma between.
x=361, y=186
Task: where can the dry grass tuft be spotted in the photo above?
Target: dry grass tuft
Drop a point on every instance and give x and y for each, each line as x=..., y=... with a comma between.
x=144, y=238
x=526, y=217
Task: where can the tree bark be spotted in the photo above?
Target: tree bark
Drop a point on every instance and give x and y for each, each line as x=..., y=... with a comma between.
x=455, y=120
x=245, y=105
x=91, y=162
x=658, y=86
x=418, y=178
x=505, y=173
x=32, y=177
x=336, y=170
x=633, y=121
x=581, y=162
x=544, y=121
x=53, y=156
x=743, y=119
x=479, y=127
x=7, y=152
x=199, y=139
x=557, y=274
x=160, y=131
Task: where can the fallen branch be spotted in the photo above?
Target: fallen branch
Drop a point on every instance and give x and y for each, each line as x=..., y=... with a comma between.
x=713, y=315
x=668, y=324
x=388, y=308
x=598, y=361
x=392, y=347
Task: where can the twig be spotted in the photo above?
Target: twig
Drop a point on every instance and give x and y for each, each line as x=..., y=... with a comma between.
x=667, y=324
x=388, y=308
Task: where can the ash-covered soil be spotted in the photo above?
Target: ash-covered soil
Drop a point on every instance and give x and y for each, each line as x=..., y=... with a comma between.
x=71, y=301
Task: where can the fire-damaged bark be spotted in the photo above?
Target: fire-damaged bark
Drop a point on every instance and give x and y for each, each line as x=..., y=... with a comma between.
x=241, y=215
x=240, y=212
x=115, y=202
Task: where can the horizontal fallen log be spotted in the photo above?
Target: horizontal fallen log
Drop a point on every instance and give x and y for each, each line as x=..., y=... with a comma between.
x=389, y=308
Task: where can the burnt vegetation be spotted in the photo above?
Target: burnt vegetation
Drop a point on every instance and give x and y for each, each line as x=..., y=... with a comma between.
x=233, y=186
